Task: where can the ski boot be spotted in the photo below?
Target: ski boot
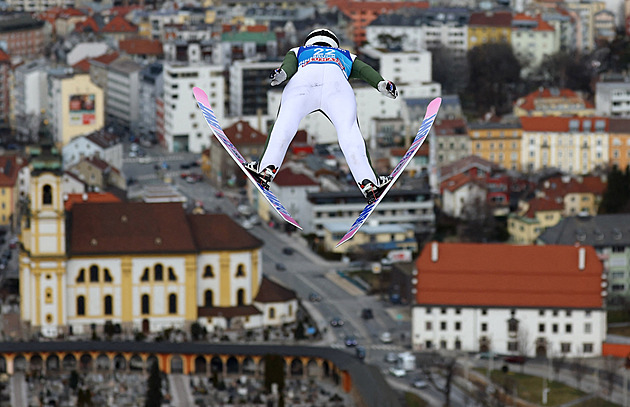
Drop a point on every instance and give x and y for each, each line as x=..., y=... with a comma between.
x=372, y=192
x=263, y=177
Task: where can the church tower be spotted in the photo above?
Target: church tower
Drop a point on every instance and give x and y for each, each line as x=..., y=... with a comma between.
x=43, y=236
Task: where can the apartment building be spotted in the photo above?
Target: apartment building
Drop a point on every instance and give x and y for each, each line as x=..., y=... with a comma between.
x=498, y=143
x=488, y=27
x=612, y=97
x=123, y=95
x=532, y=39
x=489, y=298
x=619, y=144
x=23, y=35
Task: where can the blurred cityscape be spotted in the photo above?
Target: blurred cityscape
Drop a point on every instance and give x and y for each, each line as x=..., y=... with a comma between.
x=138, y=266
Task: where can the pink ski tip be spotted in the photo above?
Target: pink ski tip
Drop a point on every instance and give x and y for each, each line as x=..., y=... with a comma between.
x=201, y=96
x=434, y=106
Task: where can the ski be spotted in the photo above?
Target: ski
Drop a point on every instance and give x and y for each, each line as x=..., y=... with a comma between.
x=422, y=134
x=202, y=100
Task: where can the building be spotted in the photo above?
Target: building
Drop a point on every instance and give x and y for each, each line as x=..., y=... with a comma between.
x=573, y=145
x=553, y=102
x=248, y=89
x=462, y=195
x=578, y=195
x=99, y=144
x=497, y=142
x=122, y=103
x=610, y=237
x=151, y=88
x=30, y=96
x=372, y=237
x=537, y=215
x=612, y=97
x=292, y=186
x=619, y=144
x=453, y=141
x=23, y=35
x=98, y=174
x=533, y=39
x=9, y=189
x=489, y=298
x=75, y=105
x=140, y=266
x=184, y=128
x=489, y=27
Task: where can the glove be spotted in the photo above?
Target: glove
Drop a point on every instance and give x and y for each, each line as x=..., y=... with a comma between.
x=388, y=89
x=277, y=77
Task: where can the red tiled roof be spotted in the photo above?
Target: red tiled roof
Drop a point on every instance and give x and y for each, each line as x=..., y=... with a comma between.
x=242, y=134
x=543, y=205
x=528, y=102
x=70, y=12
x=228, y=312
x=141, y=46
x=557, y=187
x=455, y=182
x=83, y=26
x=118, y=24
x=451, y=127
x=220, y=232
x=106, y=59
x=93, y=197
x=8, y=171
x=559, y=124
x=83, y=65
x=501, y=275
x=490, y=19
x=287, y=178
x=4, y=57
x=130, y=227
x=271, y=291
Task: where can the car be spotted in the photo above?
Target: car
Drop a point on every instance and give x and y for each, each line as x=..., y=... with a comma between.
x=516, y=359
x=281, y=267
x=184, y=166
x=314, y=297
x=420, y=384
x=391, y=357
x=192, y=178
x=350, y=340
x=219, y=194
x=360, y=352
x=386, y=337
x=487, y=355
x=336, y=322
x=397, y=372
x=288, y=251
x=366, y=313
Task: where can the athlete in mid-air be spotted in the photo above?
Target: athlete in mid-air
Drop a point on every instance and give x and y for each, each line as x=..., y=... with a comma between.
x=318, y=74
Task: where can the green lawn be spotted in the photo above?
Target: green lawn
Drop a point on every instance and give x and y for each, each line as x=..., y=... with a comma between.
x=413, y=400
x=596, y=402
x=529, y=388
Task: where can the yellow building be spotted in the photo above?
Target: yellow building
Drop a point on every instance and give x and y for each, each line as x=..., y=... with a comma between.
x=489, y=27
x=553, y=102
x=537, y=215
x=578, y=195
x=9, y=195
x=498, y=143
x=140, y=266
x=619, y=144
x=77, y=106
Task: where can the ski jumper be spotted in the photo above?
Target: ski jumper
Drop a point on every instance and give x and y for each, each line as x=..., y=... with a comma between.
x=318, y=80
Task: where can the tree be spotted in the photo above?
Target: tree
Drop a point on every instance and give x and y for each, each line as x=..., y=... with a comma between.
x=154, y=387
x=274, y=372
x=564, y=70
x=446, y=367
x=616, y=198
x=449, y=70
x=494, y=72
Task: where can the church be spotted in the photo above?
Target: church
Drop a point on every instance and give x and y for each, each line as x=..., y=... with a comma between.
x=142, y=267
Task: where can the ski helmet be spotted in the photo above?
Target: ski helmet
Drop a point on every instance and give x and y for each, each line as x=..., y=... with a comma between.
x=322, y=36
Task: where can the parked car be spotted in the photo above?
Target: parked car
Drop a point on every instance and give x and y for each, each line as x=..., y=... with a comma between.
x=396, y=372
x=366, y=313
x=487, y=355
x=360, y=352
x=336, y=322
x=420, y=384
x=281, y=267
x=314, y=297
x=386, y=337
x=287, y=251
x=516, y=359
x=350, y=341
x=391, y=357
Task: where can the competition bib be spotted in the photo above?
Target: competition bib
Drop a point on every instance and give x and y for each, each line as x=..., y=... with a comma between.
x=315, y=54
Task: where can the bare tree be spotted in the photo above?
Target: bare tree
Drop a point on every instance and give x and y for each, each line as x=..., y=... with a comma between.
x=523, y=344
x=444, y=366
x=579, y=370
x=608, y=372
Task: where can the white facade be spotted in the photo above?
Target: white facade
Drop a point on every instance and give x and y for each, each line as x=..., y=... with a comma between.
x=533, y=332
x=184, y=126
x=423, y=37
x=531, y=45
x=82, y=146
x=242, y=86
x=573, y=152
x=123, y=90
x=38, y=6
x=454, y=202
x=30, y=95
x=613, y=98
x=86, y=50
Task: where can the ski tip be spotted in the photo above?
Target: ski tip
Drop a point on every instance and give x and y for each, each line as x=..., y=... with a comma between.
x=200, y=95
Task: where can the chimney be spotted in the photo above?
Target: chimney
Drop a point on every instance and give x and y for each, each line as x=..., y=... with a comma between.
x=434, y=252
x=581, y=258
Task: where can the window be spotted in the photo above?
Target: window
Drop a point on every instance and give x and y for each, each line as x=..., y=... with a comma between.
x=484, y=327
x=484, y=312
x=145, y=275
x=442, y=344
x=208, y=298
x=107, y=305
x=428, y=326
x=47, y=195
x=94, y=274
x=565, y=347
x=587, y=348
x=568, y=328
x=554, y=328
x=172, y=304
x=428, y=310
x=158, y=272
x=443, y=326
x=49, y=295
x=240, y=271
x=145, y=304
x=272, y=313
x=81, y=276
x=80, y=305
x=512, y=325
x=171, y=274
x=207, y=272
x=541, y=328
x=588, y=328
x=240, y=297
x=458, y=326
x=443, y=311
x=512, y=346
x=458, y=344
x=107, y=277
